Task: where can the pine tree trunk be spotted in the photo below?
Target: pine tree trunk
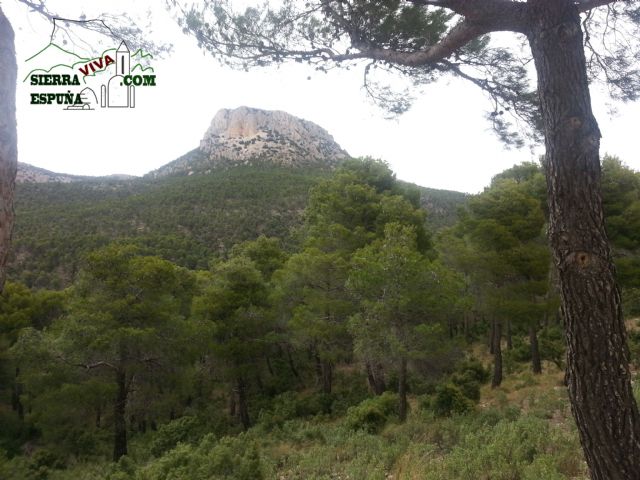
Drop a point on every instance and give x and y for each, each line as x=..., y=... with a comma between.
x=598, y=374
x=327, y=377
x=8, y=139
x=378, y=372
x=402, y=390
x=233, y=411
x=371, y=378
x=243, y=407
x=492, y=337
x=119, y=420
x=375, y=377
x=497, y=354
x=292, y=365
x=16, y=401
x=318, y=366
x=536, y=364
x=509, y=336
x=269, y=366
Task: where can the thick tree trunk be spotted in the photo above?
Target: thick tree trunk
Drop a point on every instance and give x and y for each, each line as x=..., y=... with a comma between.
x=497, y=354
x=8, y=139
x=536, y=364
x=598, y=374
x=402, y=390
x=119, y=421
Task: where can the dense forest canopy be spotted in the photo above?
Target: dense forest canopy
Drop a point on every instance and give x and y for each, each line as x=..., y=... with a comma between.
x=370, y=332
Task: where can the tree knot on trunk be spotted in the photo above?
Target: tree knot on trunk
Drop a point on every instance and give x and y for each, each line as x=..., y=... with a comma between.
x=583, y=263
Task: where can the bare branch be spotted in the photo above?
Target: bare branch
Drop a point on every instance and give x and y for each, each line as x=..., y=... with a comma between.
x=458, y=37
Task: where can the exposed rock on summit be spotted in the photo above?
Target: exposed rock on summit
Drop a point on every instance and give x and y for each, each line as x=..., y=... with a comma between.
x=244, y=134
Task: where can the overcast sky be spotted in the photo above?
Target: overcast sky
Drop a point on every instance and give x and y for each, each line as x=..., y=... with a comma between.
x=442, y=142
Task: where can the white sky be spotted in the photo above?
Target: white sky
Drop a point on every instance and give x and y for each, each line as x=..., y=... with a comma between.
x=442, y=142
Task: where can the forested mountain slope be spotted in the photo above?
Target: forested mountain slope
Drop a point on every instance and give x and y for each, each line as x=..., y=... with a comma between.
x=185, y=219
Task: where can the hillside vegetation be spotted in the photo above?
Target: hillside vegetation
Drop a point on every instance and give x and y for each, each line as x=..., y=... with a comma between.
x=184, y=219
x=357, y=342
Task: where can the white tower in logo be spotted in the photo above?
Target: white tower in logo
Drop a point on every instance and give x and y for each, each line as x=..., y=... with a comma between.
x=116, y=92
x=123, y=59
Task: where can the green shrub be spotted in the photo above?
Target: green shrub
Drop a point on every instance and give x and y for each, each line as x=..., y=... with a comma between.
x=373, y=413
x=182, y=429
x=449, y=399
x=474, y=369
x=13, y=432
x=634, y=347
x=468, y=385
x=514, y=358
x=231, y=458
x=292, y=405
x=314, y=404
x=526, y=448
x=631, y=301
x=521, y=350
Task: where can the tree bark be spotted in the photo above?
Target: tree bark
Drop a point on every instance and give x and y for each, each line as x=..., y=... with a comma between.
x=536, y=364
x=492, y=338
x=8, y=139
x=292, y=365
x=269, y=367
x=371, y=378
x=598, y=374
x=509, y=336
x=375, y=376
x=243, y=407
x=497, y=354
x=327, y=377
x=16, y=393
x=233, y=411
x=402, y=390
x=378, y=372
x=119, y=420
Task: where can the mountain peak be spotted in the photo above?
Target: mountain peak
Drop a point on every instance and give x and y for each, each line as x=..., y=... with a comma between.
x=245, y=133
x=251, y=136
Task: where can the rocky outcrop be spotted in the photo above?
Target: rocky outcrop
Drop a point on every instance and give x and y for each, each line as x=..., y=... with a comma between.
x=30, y=174
x=245, y=134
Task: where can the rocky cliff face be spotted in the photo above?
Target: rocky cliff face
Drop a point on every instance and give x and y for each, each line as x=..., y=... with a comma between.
x=30, y=174
x=246, y=133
